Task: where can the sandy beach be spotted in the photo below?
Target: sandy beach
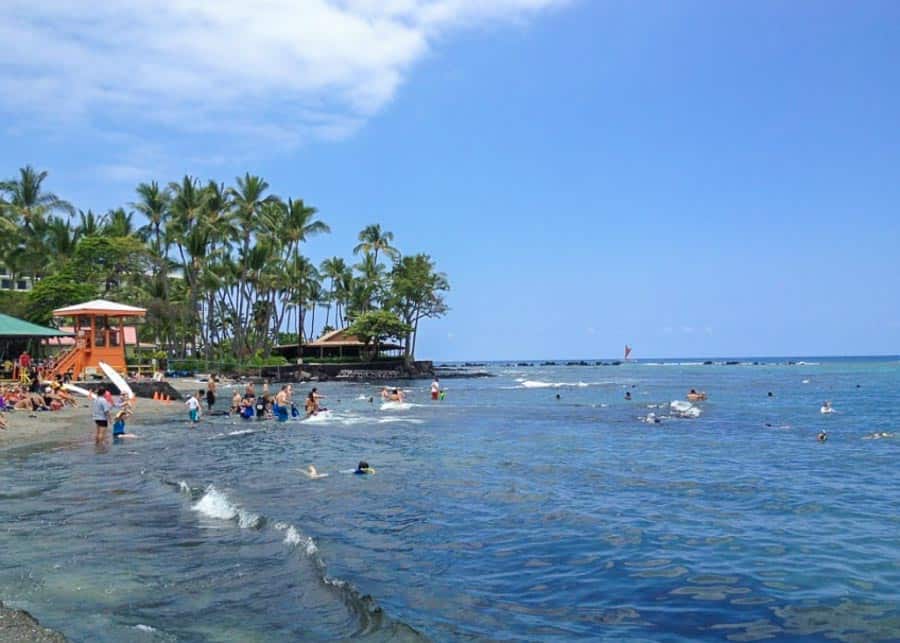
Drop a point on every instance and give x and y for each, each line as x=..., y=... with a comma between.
x=71, y=424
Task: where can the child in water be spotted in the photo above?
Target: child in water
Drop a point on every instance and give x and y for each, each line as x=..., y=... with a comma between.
x=123, y=414
x=193, y=404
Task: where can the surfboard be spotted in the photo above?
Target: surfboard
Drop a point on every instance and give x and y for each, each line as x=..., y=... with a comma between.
x=396, y=406
x=117, y=379
x=79, y=390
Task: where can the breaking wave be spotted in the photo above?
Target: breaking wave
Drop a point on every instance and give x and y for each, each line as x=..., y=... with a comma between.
x=370, y=616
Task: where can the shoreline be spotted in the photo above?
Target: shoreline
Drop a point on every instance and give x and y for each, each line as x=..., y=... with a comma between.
x=71, y=424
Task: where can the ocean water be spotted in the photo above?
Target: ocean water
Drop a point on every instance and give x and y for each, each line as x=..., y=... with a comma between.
x=500, y=513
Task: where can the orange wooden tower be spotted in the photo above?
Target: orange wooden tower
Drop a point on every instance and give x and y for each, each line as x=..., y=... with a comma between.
x=99, y=328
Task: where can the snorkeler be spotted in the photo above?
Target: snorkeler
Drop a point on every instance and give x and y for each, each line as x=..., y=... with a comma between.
x=363, y=468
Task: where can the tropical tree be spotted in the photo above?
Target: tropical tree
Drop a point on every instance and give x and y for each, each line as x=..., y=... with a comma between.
x=26, y=201
x=373, y=240
x=153, y=203
x=416, y=292
x=375, y=327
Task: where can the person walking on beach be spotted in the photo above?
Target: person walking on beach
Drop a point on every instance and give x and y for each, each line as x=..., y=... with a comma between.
x=193, y=404
x=210, y=392
x=100, y=410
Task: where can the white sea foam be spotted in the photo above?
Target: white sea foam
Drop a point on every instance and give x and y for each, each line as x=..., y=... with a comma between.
x=184, y=487
x=144, y=628
x=311, y=548
x=394, y=420
x=540, y=384
x=321, y=416
x=243, y=432
x=396, y=406
x=292, y=536
x=216, y=504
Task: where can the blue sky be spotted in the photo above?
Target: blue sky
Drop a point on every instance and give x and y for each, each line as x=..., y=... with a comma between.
x=693, y=178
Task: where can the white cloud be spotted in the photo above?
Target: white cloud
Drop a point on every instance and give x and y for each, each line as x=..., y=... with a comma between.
x=278, y=71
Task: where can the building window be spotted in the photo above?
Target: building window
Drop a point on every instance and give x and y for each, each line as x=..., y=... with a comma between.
x=21, y=284
x=6, y=284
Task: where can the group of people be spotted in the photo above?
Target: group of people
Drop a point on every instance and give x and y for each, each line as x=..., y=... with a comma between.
x=39, y=395
x=107, y=410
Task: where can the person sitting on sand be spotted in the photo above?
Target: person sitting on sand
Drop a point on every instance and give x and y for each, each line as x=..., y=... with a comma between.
x=363, y=468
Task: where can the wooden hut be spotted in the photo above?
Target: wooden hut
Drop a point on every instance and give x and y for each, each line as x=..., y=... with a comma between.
x=99, y=328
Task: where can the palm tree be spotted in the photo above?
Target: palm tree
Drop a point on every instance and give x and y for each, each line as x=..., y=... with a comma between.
x=372, y=240
x=60, y=238
x=89, y=224
x=154, y=205
x=333, y=269
x=118, y=223
x=27, y=203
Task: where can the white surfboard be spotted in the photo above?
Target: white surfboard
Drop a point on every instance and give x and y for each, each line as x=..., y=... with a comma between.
x=79, y=390
x=117, y=379
x=396, y=406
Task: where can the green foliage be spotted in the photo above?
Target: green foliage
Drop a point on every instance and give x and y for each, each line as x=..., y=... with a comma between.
x=56, y=291
x=221, y=270
x=376, y=326
x=14, y=302
x=109, y=261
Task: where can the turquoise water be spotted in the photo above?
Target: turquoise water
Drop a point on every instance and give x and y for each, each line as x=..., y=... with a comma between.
x=500, y=513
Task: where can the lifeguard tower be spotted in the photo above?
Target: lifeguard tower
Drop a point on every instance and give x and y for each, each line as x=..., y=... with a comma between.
x=99, y=329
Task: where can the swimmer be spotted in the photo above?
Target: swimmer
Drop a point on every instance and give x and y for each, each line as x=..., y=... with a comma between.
x=396, y=395
x=385, y=393
x=312, y=405
x=312, y=474
x=363, y=468
x=627, y=395
x=557, y=396
x=826, y=407
x=694, y=396
x=822, y=436
x=771, y=394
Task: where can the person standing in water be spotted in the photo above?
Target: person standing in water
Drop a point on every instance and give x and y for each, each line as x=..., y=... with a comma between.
x=436, y=388
x=281, y=406
x=193, y=404
x=210, y=392
x=312, y=405
x=100, y=411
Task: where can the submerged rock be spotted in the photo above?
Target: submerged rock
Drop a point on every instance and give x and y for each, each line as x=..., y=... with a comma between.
x=18, y=626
